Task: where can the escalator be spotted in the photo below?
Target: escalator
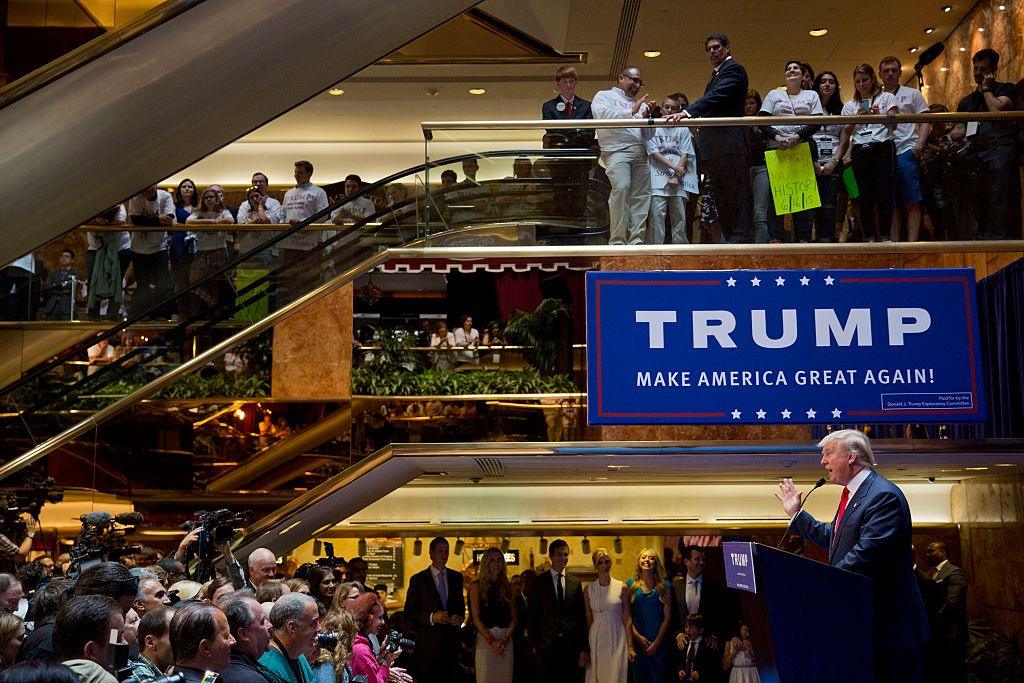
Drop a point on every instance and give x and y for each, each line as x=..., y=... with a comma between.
x=115, y=116
x=63, y=398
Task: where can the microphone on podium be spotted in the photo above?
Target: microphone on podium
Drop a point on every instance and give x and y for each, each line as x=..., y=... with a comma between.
x=789, y=527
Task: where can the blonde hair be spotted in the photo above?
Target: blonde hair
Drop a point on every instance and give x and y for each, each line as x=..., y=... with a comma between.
x=9, y=625
x=483, y=581
x=344, y=624
x=658, y=574
x=596, y=556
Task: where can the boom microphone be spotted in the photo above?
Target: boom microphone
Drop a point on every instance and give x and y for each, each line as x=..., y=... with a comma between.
x=929, y=55
x=100, y=518
x=789, y=527
x=129, y=518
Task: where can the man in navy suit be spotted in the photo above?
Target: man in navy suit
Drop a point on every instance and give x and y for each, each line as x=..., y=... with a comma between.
x=569, y=176
x=722, y=151
x=435, y=604
x=870, y=535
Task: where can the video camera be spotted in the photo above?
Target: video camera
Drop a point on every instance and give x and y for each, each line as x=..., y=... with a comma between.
x=330, y=560
x=29, y=498
x=102, y=539
x=216, y=527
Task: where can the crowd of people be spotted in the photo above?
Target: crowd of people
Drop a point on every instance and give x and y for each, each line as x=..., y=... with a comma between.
x=963, y=177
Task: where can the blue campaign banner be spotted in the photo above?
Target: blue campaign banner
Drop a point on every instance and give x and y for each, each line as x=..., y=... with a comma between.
x=783, y=347
x=739, y=565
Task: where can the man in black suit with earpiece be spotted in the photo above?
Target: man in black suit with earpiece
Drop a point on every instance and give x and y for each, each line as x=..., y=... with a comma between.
x=558, y=621
x=722, y=151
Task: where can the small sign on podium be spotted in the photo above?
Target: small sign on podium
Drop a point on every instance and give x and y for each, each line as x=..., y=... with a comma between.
x=739, y=565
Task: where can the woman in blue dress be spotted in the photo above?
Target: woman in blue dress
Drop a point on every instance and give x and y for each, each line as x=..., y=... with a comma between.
x=650, y=606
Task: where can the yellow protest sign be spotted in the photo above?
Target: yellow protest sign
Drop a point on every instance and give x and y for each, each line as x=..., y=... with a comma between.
x=791, y=173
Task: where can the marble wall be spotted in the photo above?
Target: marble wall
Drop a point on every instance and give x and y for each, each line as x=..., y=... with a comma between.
x=990, y=512
x=313, y=350
x=1003, y=32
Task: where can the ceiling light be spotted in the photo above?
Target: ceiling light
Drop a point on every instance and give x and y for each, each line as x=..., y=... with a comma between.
x=947, y=8
x=929, y=29
x=975, y=469
x=543, y=546
x=651, y=54
x=417, y=548
x=963, y=49
x=585, y=545
x=1005, y=464
x=335, y=91
x=1002, y=8
x=913, y=50
x=361, y=547
x=616, y=468
x=617, y=545
x=981, y=29
x=433, y=92
x=477, y=91
x=943, y=69
x=459, y=545
x=818, y=32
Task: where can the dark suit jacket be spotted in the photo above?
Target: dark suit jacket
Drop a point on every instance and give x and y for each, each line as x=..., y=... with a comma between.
x=571, y=137
x=946, y=602
x=550, y=624
x=874, y=539
x=422, y=600
x=716, y=605
x=725, y=95
x=707, y=662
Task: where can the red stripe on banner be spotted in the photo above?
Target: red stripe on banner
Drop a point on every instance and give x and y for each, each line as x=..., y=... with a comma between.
x=661, y=283
x=970, y=344
x=597, y=332
x=664, y=415
x=900, y=279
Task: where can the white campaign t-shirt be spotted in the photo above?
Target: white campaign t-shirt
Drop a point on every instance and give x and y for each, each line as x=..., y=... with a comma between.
x=781, y=103
x=150, y=242
x=672, y=143
x=301, y=202
x=272, y=208
x=863, y=133
x=357, y=209
x=910, y=101
x=613, y=104
x=250, y=239
x=827, y=140
x=124, y=238
x=208, y=240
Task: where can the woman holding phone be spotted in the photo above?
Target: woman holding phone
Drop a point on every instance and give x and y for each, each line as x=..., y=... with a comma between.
x=874, y=154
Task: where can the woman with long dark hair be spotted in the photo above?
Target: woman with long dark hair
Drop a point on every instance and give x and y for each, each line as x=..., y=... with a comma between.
x=182, y=247
x=829, y=167
x=322, y=585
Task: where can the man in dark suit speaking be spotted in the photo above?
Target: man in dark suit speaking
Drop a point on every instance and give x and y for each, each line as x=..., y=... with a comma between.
x=870, y=535
x=722, y=151
x=435, y=604
x=558, y=621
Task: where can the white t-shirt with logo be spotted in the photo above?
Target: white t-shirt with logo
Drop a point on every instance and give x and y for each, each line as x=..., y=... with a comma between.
x=357, y=209
x=614, y=104
x=301, y=202
x=150, y=242
x=124, y=238
x=910, y=101
x=672, y=143
x=250, y=239
x=781, y=103
x=208, y=240
x=864, y=133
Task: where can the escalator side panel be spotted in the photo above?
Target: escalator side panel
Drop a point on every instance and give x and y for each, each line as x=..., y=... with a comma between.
x=175, y=94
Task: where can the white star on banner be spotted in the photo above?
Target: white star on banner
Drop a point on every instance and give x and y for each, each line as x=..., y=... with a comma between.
x=837, y=413
x=804, y=281
x=756, y=282
x=736, y=414
x=761, y=414
x=811, y=414
x=780, y=281
x=731, y=282
x=786, y=413
x=829, y=280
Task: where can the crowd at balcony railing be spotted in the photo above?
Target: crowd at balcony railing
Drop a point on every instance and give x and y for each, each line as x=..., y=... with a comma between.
x=964, y=176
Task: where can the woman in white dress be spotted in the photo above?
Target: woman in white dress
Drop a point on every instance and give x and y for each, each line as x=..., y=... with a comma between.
x=739, y=656
x=609, y=624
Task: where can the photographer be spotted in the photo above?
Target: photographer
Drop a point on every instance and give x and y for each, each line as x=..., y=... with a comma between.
x=39, y=644
x=154, y=645
x=296, y=621
x=343, y=624
x=82, y=635
x=11, y=552
x=200, y=640
x=112, y=580
x=368, y=612
x=251, y=631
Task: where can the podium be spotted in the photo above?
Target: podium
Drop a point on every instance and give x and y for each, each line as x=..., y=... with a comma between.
x=809, y=622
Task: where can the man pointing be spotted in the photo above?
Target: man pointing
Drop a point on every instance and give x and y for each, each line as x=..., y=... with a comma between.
x=870, y=535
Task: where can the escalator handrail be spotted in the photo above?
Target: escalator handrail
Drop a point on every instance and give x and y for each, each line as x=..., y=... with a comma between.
x=94, y=49
x=233, y=263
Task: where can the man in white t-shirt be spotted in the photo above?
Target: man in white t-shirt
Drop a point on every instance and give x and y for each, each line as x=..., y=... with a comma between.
x=624, y=154
x=301, y=202
x=673, y=171
x=356, y=210
x=151, y=208
x=909, y=139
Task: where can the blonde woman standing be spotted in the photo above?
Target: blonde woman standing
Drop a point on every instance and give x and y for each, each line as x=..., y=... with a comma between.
x=651, y=610
x=608, y=623
x=492, y=605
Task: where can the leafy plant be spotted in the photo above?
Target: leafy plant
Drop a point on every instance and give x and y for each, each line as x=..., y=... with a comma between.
x=395, y=350
x=537, y=333
x=438, y=382
x=994, y=656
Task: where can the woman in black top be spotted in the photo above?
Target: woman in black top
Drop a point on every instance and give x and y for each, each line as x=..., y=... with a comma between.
x=493, y=607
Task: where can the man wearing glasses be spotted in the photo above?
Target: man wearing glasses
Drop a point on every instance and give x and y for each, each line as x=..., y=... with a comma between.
x=723, y=151
x=624, y=154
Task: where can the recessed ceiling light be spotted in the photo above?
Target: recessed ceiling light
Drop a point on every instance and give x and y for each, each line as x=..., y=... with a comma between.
x=651, y=54
x=981, y=29
x=913, y=50
x=947, y=8
x=1005, y=464
x=1002, y=8
x=943, y=69
x=975, y=469
x=929, y=29
x=335, y=91
x=818, y=32
x=963, y=49
x=477, y=91
x=433, y=92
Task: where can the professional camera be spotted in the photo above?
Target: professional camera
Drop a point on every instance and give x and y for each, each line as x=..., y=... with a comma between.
x=397, y=640
x=327, y=641
x=217, y=527
x=102, y=539
x=28, y=498
x=330, y=560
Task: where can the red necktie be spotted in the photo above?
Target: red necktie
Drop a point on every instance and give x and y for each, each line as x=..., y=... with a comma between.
x=568, y=108
x=842, y=508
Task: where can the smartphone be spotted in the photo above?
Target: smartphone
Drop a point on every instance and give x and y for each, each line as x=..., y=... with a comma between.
x=865, y=106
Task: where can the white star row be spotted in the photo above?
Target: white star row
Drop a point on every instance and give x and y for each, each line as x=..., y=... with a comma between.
x=785, y=413
x=781, y=281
